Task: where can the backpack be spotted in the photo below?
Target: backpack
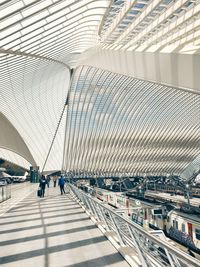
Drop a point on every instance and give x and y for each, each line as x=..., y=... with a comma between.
x=61, y=181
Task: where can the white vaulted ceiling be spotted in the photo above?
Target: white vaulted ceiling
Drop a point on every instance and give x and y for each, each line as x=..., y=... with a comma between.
x=39, y=40
x=131, y=103
x=116, y=123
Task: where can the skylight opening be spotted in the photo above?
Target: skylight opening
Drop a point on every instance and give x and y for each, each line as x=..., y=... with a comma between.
x=32, y=34
x=77, y=18
x=10, y=30
x=57, y=15
x=11, y=8
x=78, y=5
x=33, y=27
x=28, y=45
x=10, y=38
x=59, y=6
x=139, y=5
x=57, y=23
x=35, y=18
x=32, y=40
x=27, y=2
x=14, y=45
x=36, y=7
x=10, y=21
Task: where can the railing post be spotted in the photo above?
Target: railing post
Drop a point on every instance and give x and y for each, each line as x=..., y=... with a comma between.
x=104, y=216
x=90, y=208
x=138, y=248
x=117, y=229
x=171, y=259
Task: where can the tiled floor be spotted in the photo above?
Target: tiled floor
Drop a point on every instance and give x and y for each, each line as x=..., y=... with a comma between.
x=52, y=232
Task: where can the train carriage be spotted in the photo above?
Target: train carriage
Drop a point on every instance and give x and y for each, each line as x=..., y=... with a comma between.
x=184, y=227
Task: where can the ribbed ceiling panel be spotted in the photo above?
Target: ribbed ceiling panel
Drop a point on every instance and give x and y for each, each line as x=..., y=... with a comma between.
x=116, y=121
x=118, y=124
x=32, y=95
x=51, y=28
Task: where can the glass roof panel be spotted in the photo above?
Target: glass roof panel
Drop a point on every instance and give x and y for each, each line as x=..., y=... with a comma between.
x=35, y=8
x=10, y=38
x=10, y=21
x=10, y=30
x=55, y=23
x=13, y=45
x=28, y=2
x=31, y=34
x=11, y=8
x=35, y=18
x=33, y=27
x=79, y=4
x=59, y=6
x=57, y=15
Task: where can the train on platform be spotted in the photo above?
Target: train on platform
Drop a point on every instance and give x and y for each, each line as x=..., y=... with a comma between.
x=184, y=228
x=195, y=191
x=176, y=224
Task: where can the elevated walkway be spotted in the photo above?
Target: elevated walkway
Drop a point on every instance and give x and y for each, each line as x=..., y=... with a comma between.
x=52, y=232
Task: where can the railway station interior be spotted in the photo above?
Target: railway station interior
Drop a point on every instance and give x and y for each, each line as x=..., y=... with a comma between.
x=104, y=96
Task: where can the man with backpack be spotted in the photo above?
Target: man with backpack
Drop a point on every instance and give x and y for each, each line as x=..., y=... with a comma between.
x=61, y=183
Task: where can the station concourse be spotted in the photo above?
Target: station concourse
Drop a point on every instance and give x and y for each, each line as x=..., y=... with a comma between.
x=97, y=90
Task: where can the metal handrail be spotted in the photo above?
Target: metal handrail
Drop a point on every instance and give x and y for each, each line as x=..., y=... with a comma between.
x=151, y=250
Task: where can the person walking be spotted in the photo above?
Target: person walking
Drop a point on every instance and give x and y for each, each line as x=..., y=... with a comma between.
x=61, y=183
x=54, y=181
x=42, y=184
x=48, y=181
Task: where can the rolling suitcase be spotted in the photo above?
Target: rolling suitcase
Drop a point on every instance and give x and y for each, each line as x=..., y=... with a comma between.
x=39, y=191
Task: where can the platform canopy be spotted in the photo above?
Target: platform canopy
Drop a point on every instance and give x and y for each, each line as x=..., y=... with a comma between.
x=101, y=87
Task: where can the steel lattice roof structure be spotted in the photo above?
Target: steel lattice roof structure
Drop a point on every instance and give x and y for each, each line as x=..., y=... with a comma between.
x=101, y=87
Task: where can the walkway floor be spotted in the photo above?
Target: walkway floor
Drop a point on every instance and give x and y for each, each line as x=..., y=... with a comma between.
x=18, y=192
x=53, y=232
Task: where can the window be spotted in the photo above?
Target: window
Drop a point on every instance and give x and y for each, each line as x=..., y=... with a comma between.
x=176, y=225
x=183, y=227
x=197, y=232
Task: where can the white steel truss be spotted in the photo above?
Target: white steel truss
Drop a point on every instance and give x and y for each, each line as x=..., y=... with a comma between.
x=40, y=41
x=117, y=124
